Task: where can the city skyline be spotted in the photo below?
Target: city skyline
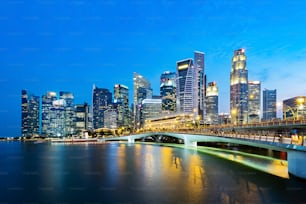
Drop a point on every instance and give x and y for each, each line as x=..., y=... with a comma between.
x=69, y=46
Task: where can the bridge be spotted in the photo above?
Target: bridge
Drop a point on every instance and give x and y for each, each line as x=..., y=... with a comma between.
x=295, y=148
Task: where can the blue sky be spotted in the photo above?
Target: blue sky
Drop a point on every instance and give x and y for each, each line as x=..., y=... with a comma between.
x=58, y=45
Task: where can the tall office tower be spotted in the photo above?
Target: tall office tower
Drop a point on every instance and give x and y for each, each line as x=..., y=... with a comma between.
x=29, y=114
x=239, y=88
x=185, y=87
x=121, y=98
x=57, y=114
x=101, y=99
x=212, y=104
x=200, y=84
x=269, y=104
x=168, y=91
x=69, y=112
x=47, y=104
x=151, y=108
x=254, y=101
x=142, y=90
x=83, y=118
x=294, y=108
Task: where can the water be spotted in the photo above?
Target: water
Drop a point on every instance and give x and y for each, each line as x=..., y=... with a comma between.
x=133, y=173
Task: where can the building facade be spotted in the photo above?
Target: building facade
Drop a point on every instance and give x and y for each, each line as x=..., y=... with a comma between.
x=212, y=110
x=110, y=118
x=142, y=90
x=29, y=114
x=294, y=108
x=47, y=116
x=151, y=108
x=239, y=88
x=168, y=91
x=121, y=98
x=269, y=104
x=254, y=89
x=101, y=100
x=200, y=85
x=185, y=86
x=68, y=98
x=83, y=118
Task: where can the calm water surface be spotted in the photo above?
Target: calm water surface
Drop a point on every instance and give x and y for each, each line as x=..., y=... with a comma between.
x=133, y=173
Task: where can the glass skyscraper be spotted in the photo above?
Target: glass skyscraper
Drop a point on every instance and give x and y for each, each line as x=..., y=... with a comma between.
x=254, y=89
x=239, y=88
x=101, y=100
x=200, y=84
x=142, y=90
x=83, y=118
x=30, y=114
x=269, y=104
x=121, y=98
x=185, y=86
x=58, y=115
x=212, y=110
x=69, y=112
x=168, y=91
x=46, y=118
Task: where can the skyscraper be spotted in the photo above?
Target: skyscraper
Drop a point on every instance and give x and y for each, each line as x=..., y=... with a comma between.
x=239, y=88
x=168, y=91
x=200, y=84
x=142, y=90
x=30, y=114
x=83, y=118
x=254, y=89
x=212, y=104
x=47, y=104
x=58, y=115
x=121, y=98
x=269, y=104
x=69, y=112
x=101, y=100
x=185, y=86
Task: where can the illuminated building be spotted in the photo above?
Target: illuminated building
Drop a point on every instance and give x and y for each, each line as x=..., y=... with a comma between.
x=110, y=118
x=185, y=86
x=47, y=104
x=191, y=86
x=254, y=89
x=269, y=104
x=58, y=115
x=83, y=118
x=121, y=98
x=239, y=88
x=212, y=103
x=151, y=108
x=200, y=84
x=142, y=90
x=168, y=91
x=69, y=112
x=29, y=114
x=101, y=99
x=294, y=108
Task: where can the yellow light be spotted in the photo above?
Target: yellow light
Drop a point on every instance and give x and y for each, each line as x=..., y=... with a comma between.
x=183, y=66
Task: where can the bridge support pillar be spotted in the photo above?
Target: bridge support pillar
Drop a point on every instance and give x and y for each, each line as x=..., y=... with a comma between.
x=131, y=140
x=297, y=163
x=190, y=143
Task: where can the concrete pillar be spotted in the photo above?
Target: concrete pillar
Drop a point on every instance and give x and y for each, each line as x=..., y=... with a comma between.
x=297, y=163
x=131, y=140
x=190, y=143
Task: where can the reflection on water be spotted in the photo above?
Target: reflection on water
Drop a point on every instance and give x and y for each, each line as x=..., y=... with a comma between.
x=134, y=173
